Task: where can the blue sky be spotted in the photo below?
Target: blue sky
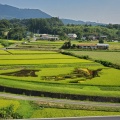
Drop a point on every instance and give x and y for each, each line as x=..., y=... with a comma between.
x=104, y=11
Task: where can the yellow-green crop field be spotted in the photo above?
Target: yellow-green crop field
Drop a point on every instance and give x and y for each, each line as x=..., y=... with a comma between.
x=29, y=109
x=57, y=113
x=52, y=71
x=113, y=57
x=22, y=52
x=42, y=61
x=3, y=52
x=1, y=46
x=5, y=103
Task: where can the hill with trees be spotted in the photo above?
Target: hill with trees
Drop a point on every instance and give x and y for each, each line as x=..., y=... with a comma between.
x=79, y=22
x=17, y=29
x=9, y=12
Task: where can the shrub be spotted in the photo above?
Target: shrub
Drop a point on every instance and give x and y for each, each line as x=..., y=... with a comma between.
x=108, y=64
x=8, y=113
x=4, y=43
x=78, y=56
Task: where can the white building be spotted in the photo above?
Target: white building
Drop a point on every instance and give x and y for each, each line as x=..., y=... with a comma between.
x=49, y=37
x=93, y=46
x=102, y=46
x=72, y=36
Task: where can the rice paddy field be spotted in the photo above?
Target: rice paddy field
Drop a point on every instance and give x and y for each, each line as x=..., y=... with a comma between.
x=43, y=70
x=51, y=71
x=113, y=57
x=1, y=46
x=56, y=113
x=22, y=107
x=6, y=103
x=114, y=45
x=42, y=45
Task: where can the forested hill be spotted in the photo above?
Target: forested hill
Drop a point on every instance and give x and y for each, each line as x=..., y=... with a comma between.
x=9, y=12
x=21, y=27
x=79, y=22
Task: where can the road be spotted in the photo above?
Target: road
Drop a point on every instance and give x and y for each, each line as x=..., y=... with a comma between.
x=84, y=118
x=51, y=100
x=63, y=101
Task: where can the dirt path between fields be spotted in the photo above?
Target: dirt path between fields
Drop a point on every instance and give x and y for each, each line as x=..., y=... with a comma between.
x=52, y=100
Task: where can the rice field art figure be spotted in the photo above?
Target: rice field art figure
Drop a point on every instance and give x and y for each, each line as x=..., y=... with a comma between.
x=94, y=73
x=87, y=73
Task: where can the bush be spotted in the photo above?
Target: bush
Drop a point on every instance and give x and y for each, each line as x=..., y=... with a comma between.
x=105, y=63
x=66, y=45
x=8, y=113
x=78, y=56
x=4, y=43
x=108, y=64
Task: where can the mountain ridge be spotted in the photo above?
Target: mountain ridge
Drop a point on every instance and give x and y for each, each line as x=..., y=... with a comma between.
x=10, y=12
x=77, y=22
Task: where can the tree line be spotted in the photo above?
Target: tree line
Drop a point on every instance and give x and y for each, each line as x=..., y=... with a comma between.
x=17, y=29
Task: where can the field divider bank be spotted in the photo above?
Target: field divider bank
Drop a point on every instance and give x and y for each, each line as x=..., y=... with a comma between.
x=103, y=62
x=59, y=95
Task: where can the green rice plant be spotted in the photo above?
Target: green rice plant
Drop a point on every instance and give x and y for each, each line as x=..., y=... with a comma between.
x=7, y=103
x=55, y=71
x=1, y=46
x=51, y=61
x=35, y=57
x=56, y=64
x=3, y=52
x=108, y=76
x=54, y=113
x=101, y=55
x=57, y=89
x=26, y=109
x=47, y=42
x=30, y=52
x=114, y=46
x=8, y=70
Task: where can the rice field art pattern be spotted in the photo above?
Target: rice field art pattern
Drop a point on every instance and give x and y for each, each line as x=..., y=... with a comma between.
x=51, y=71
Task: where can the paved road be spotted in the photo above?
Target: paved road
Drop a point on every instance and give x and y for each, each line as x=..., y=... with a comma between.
x=31, y=98
x=64, y=101
x=84, y=118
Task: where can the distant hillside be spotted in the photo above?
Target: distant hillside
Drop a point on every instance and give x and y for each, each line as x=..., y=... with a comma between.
x=69, y=21
x=9, y=12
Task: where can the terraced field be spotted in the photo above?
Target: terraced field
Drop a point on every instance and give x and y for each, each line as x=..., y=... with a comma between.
x=48, y=71
x=29, y=71
x=113, y=57
x=18, y=109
